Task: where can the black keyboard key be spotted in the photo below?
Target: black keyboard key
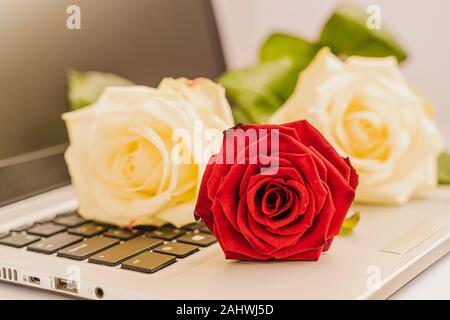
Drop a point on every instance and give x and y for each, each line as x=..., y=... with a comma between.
x=146, y=228
x=46, y=229
x=87, y=230
x=204, y=229
x=67, y=213
x=87, y=248
x=166, y=233
x=199, y=225
x=115, y=255
x=54, y=243
x=148, y=262
x=44, y=220
x=22, y=228
x=73, y=220
x=3, y=235
x=198, y=239
x=192, y=226
x=122, y=234
x=179, y=250
x=106, y=225
x=19, y=240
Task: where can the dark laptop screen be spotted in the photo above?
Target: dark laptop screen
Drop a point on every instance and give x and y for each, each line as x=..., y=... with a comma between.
x=143, y=41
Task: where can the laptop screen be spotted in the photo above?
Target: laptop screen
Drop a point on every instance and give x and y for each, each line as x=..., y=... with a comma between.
x=142, y=41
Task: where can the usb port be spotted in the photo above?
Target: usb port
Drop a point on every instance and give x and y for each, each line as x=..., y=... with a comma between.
x=66, y=285
x=34, y=280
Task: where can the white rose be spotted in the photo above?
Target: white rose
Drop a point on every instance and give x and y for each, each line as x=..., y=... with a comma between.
x=206, y=98
x=367, y=111
x=121, y=148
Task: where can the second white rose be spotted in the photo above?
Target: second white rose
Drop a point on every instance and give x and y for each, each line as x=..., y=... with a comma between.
x=365, y=108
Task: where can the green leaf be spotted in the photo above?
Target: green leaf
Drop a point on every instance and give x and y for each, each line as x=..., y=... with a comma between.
x=261, y=89
x=240, y=116
x=349, y=224
x=444, y=168
x=346, y=33
x=84, y=88
x=280, y=45
x=258, y=91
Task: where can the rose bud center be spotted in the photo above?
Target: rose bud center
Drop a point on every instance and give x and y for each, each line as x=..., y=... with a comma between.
x=276, y=199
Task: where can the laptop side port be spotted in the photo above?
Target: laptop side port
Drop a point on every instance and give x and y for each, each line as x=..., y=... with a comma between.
x=66, y=285
x=34, y=280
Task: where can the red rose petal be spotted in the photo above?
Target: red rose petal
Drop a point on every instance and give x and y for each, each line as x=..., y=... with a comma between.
x=311, y=255
x=257, y=235
x=310, y=136
x=229, y=239
x=252, y=201
x=316, y=236
x=228, y=193
x=292, y=209
x=274, y=201
x=203, y=205
x=294, y=227
x=342, y=193
x=307, y=166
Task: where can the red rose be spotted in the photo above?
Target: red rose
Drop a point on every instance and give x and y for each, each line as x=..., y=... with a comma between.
x=276, y=192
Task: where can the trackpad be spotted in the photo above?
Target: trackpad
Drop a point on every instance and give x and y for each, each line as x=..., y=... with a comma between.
x=398, y=229
x=412, y=238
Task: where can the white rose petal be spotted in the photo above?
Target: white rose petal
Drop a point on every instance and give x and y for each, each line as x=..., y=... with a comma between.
x=206, y=97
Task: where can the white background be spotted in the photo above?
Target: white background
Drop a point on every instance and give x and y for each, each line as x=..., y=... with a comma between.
x=421, y=26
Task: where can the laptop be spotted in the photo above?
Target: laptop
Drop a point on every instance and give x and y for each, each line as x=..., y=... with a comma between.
x=45, y=244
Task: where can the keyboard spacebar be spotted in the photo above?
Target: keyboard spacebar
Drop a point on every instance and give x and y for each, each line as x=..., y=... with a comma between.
x=115, y=255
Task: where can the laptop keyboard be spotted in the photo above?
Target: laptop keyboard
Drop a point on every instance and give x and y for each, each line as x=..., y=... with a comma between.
x=145, y=249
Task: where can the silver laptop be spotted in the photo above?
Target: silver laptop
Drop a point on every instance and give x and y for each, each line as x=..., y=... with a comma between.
x=45, y=244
